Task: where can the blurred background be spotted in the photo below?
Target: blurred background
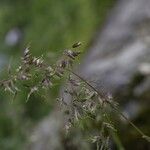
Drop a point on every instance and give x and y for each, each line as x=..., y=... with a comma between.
x=49, y=26
x=116, y=41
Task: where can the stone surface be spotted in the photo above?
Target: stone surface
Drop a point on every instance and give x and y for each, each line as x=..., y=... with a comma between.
x=121, y=47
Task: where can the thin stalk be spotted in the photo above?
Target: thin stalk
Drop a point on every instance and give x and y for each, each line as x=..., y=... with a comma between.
x=106, y=101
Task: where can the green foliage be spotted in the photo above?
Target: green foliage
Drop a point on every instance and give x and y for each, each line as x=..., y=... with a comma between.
x=52, y=24
x=49, y=25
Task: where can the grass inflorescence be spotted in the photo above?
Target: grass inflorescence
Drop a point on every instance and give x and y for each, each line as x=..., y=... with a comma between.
x=88, y=109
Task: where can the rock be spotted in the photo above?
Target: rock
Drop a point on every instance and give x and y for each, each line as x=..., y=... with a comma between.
x=47, y=135
x=121, y=47
x=13, y=37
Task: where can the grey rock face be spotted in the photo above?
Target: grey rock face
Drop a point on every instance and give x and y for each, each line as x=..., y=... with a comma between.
x=47, y=135
x=121, y=47
x=13, y=37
